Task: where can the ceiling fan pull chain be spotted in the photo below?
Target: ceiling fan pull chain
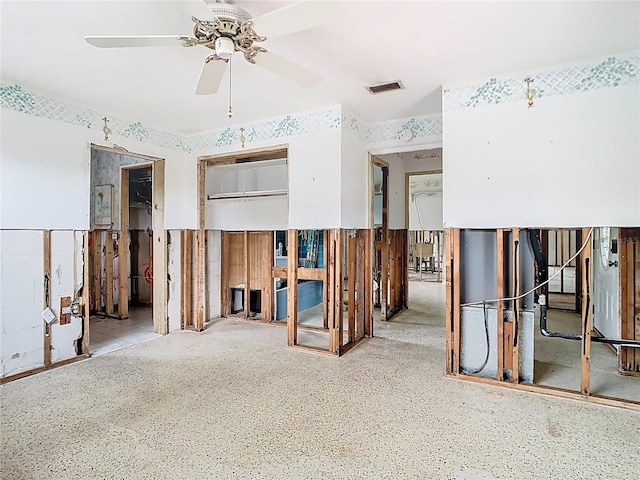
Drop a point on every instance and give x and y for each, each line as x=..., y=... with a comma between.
x=230, y=113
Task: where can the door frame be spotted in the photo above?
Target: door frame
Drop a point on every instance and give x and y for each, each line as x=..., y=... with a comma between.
x=159, y=250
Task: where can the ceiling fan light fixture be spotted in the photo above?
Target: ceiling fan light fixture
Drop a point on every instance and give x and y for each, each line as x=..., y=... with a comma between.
x=224, y=47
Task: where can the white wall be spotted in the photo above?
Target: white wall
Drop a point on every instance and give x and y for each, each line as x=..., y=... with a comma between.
x=425, y=211
x=45, y=175
x=354, y=181
x=313, y=201
x=397, y=193
x=570, y=161
x=22, y=292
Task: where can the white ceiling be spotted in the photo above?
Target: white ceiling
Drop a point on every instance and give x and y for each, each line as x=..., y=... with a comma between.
x=423, y=43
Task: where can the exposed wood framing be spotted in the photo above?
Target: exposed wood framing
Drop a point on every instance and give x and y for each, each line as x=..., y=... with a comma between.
x=325, y=279
x=123, y=247
x=448, y=328
x=292, y=286
x=335, y=293
x=515, y=275
x=368, y=283
x=456, y=253
x=351, y=287
x=86, y=287
x=186, y=270
x=225, y=259
x=10, y=378
x=587, y=320
x=268, y=153
x=629, y=261
x=557, y=392
x=247, y=276
x=500, y=305
x=201, y=249
x=398, y=272
x=108, y=262
x=96, y=271
x=46, y=301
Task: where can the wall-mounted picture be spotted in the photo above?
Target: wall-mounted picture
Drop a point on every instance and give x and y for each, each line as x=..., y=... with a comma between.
x=103, y=206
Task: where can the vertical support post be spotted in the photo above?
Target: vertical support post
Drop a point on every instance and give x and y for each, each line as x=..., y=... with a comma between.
x=585, y=260
x=46, y=301
x=292, y=288
x=266, y=278
x=326, y=284
x=150, y=240
x=335, y=330
x=201, y=249
x=448, y=258
x=86, y=287
x=247, y=276
x=368, y=283
x=123, y=250
x=331, y=282
x=225, y=301
x=515, y=251
x=351, y=286
x=384, y=267
x=96, y=241
x=500, y=304
x=457, y=313
x=108, y=268
x=186, y=244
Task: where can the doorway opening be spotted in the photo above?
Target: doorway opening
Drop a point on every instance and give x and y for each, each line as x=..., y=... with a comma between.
x=409, y=245
x=127, y=250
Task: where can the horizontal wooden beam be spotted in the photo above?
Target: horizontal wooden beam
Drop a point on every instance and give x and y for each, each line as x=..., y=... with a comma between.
x=555, y=391
x=311, y=273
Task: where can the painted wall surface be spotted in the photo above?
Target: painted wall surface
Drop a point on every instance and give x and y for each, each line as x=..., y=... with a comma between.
x=53, y=158
x=45, y=173
x=397, y=193
x=508, y=165
x=22, y=292
x=354, y=181
x=606, y=287
x=21, y=326
x=425, y=212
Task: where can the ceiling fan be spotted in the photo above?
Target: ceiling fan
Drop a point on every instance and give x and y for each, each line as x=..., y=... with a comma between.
x=229, y=29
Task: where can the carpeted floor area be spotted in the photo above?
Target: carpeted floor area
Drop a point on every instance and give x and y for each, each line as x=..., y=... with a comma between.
x=233, y=402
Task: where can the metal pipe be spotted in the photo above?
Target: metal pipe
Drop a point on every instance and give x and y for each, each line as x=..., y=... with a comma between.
x=576, y=336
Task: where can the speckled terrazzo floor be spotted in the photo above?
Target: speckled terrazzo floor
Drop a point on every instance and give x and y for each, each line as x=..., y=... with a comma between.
x=233, y=402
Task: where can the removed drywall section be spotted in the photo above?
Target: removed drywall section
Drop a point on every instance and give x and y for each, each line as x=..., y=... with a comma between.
x=174, y=290
x=606, y=283
x=509, y=165
x=214, y=242
x=21, y=300
x=66, y=281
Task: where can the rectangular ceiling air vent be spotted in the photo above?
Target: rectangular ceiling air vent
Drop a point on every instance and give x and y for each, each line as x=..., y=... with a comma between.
x=385, y=87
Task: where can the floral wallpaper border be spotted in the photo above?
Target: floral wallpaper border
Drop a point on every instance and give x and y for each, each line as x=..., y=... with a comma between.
x=402, y=129
x=607, y=72
x=15, y=97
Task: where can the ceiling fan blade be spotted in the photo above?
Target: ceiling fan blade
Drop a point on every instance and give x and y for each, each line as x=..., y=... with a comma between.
x=135, y=41
x=288, y=69
x=210, y=76
x=295, y=18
